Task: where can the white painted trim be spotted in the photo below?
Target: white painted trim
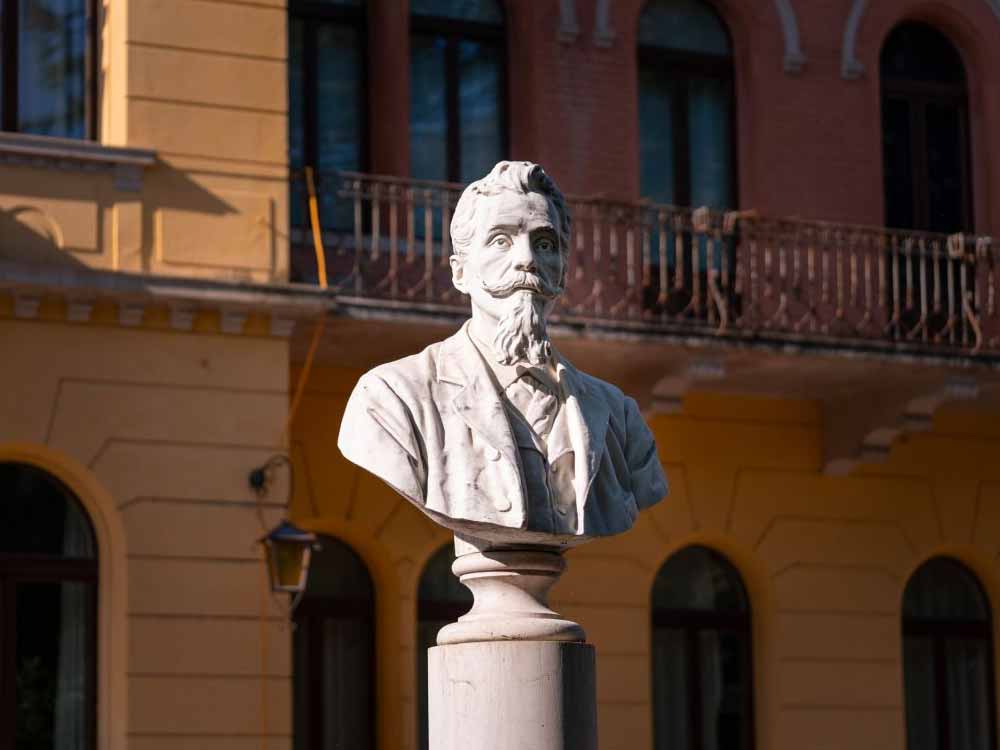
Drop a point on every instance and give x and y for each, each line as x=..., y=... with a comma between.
x=569, y=26
x=604, y=33
x=850, y=67
x=795, y=58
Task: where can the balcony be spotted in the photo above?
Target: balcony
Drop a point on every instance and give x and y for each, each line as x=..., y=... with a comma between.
x=662, y=271
x=880, y=327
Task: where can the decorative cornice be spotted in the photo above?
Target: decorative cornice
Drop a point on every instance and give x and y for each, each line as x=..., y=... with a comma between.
x=45, y=152
x=80, y=289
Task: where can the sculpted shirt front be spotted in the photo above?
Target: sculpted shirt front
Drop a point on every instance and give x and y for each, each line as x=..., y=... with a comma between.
x=535, y=400
x=441, y=428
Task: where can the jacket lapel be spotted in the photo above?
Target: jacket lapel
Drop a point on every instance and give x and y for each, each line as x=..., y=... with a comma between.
x=478, y=402
x=589, y=415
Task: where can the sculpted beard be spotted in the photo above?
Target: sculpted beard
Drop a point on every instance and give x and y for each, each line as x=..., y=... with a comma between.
x=521, y=334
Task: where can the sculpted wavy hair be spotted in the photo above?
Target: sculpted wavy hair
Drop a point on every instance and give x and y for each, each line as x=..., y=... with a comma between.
x=517, y=176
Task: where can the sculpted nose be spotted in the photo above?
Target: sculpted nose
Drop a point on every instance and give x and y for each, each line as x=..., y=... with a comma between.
x=522, y=257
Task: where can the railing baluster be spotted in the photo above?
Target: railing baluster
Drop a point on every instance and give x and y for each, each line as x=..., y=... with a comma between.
x=359, y=239
x=661, y=228
x=376, y=209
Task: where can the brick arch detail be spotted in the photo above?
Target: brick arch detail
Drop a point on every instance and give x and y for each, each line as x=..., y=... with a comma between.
x=851, y=67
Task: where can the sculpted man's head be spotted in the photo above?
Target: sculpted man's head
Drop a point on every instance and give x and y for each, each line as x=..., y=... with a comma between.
x=510, y=235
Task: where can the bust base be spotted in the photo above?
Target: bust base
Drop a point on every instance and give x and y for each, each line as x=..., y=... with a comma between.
x=510, y=586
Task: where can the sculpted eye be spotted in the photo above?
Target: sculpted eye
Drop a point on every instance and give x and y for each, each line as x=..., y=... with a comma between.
x=501, y=241
x=545, y=245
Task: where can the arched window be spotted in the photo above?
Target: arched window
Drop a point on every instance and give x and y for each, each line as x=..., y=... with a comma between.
x=948, y=660
x=458, y=88
x=48, y=67
x=441, y=600
x=686, y=108
x=925, y=132
x=48, y=614
x=327, y=106
x=702, y=683
x=334, y=655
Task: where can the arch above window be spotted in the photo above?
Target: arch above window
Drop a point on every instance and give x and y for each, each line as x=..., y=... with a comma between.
x=697, y=578
x=947, y=659
x=39, y=516
x=684, y=26
x=944, y=589
x=918, y=52
x=477, y=11
x=48, y=590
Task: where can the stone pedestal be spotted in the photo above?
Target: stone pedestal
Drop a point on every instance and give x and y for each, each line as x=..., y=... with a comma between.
x=513, y=695
x=511, y=674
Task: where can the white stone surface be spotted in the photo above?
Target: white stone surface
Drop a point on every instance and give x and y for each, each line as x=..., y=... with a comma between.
x=491, y=432
x=512, y=696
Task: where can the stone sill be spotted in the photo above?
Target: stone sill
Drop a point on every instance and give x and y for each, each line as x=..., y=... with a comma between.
x=47, y=152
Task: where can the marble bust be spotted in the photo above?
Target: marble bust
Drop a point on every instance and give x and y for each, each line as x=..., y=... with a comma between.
x=491, y=432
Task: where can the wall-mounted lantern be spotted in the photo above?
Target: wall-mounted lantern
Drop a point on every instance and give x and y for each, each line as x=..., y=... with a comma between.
x=288, y=549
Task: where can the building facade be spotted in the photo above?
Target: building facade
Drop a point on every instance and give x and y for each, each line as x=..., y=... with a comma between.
x=216, y=214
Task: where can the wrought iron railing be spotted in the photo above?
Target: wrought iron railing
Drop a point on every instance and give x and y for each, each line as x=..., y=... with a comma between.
x=663, y=269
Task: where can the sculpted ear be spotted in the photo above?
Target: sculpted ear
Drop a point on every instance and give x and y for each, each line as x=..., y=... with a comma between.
x=458, y=273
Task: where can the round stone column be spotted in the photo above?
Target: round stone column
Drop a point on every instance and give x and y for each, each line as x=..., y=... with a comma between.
x=511, y=674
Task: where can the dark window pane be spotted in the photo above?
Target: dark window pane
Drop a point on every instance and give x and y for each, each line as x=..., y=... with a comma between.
x=943, y=589
x=925, y=143
x=919, y=681
x=427, y=631
x=346, y=673
x=439, y=584
x=480, y=11
x=333, y=653
x=52, y=38
x=338, y=114
x=53, y=666
x=918, y=52
x=896, y=149
x=296, y=92
x=671, y=700
x=336, y=572
x=725, y=689
x=38, y=516
x=428, y=113
x=969, y=710
x=656, y=135
x=479, y=109
x=699, y=579
x=686, y=25
x=944, y=168
x=709, y=120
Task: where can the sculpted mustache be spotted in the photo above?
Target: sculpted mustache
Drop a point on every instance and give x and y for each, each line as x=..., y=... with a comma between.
x=518, y=282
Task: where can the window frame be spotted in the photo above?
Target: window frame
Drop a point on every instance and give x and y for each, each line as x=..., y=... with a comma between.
x=307, y=617
x=312, y=14
x=30, y=568
x=692, y=622
x=690, y=65
x=9, y=77
x=918, y=95
x=455, y=31
x=939, y=632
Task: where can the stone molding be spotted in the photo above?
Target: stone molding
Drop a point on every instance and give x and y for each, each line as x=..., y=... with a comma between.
x=851, y=68
x=79, y=290
x=795, y=59
x=126, y=165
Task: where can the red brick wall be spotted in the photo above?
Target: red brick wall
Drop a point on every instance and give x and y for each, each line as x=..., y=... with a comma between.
x=808, y=143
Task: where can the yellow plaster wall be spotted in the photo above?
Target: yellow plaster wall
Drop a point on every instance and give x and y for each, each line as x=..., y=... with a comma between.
x=203, y=84
x=162, y=429
x=824, y=559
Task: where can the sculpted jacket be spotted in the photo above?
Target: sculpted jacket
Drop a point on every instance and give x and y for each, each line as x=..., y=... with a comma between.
x=433, y=427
